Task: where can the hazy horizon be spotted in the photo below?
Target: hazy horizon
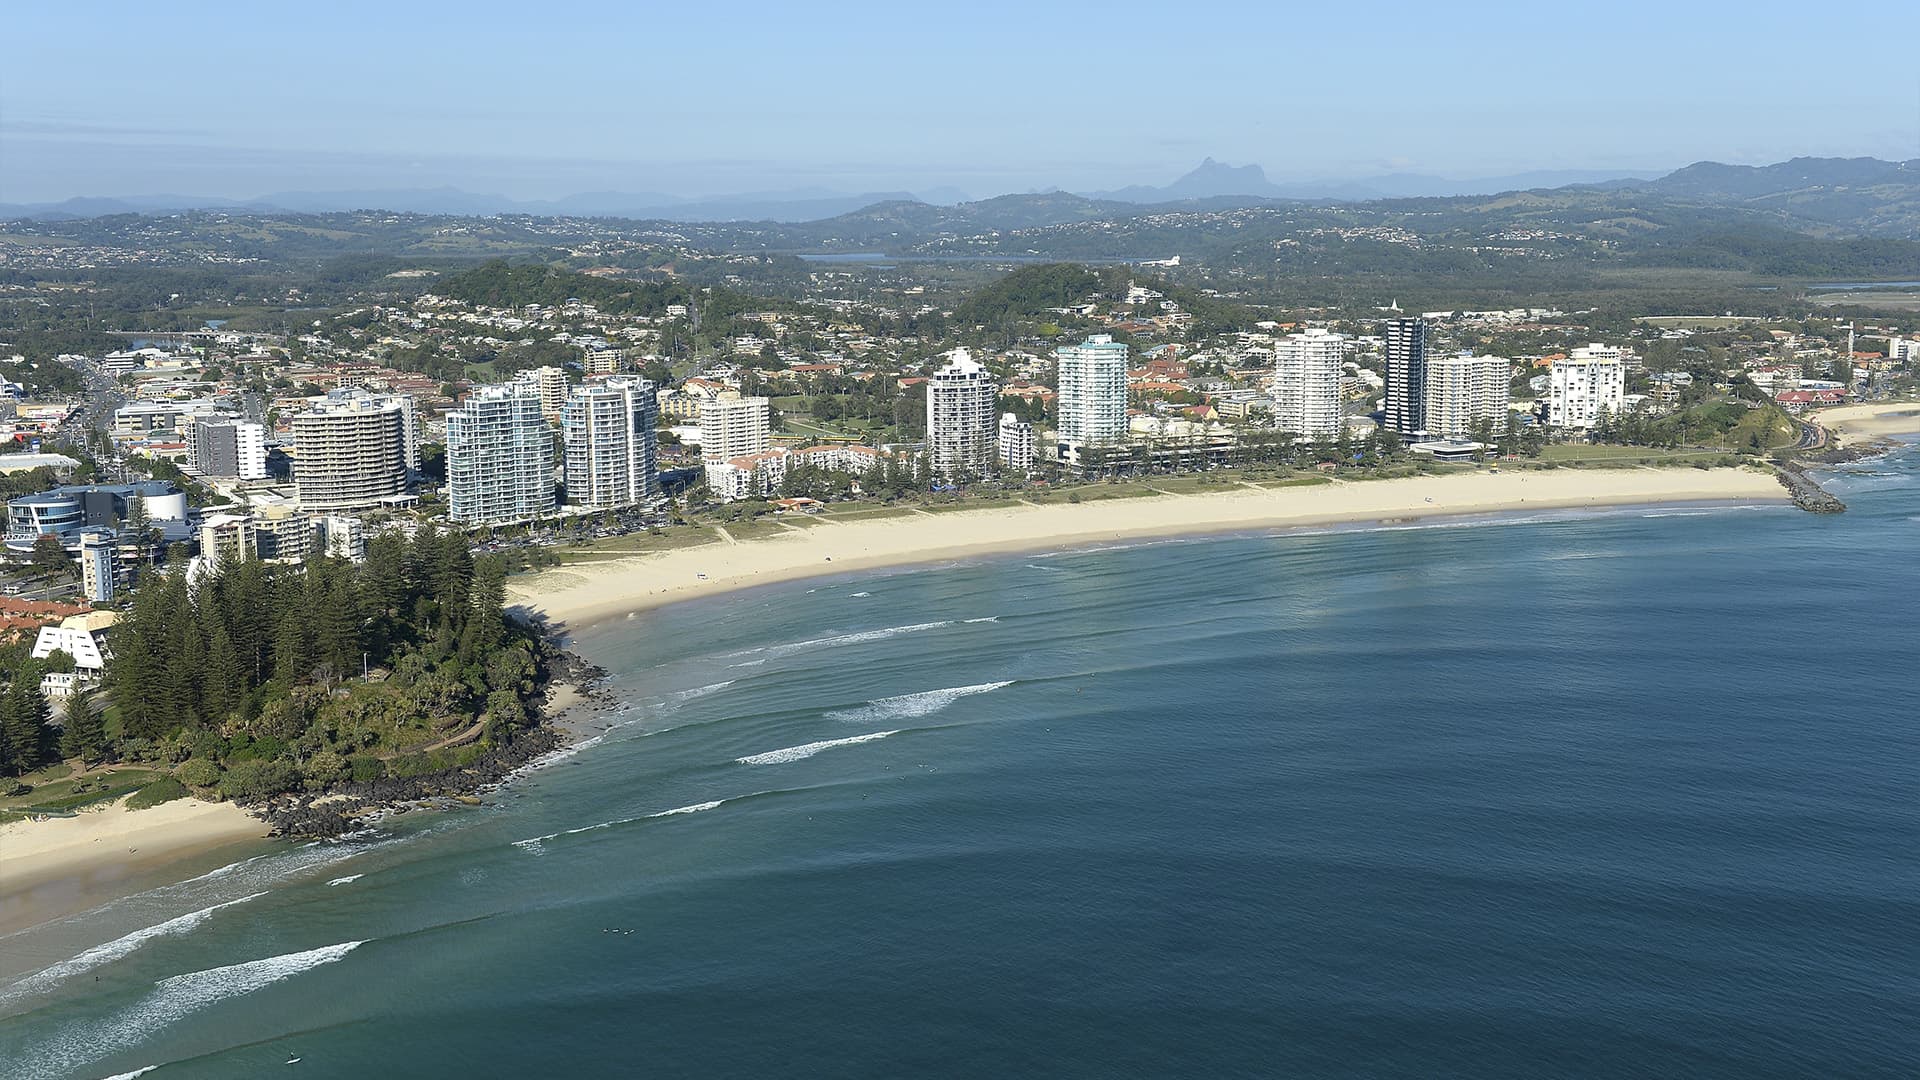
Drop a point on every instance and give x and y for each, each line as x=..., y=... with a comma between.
x=232, y=102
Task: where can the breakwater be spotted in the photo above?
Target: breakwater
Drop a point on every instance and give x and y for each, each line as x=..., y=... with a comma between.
x=1807, y=493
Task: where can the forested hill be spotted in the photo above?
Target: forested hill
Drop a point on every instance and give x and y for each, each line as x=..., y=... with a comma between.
x=251, y=679
x=501, y=284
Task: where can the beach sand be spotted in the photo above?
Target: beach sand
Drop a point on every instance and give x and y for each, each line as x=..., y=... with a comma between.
x=580, y=595
x=59, y=865
x=1855, y=424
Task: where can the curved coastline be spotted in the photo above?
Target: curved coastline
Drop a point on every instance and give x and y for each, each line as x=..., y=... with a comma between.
x=577, y=597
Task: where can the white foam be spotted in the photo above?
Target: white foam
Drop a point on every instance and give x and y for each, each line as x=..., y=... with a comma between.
x=798, y=753
x=694, y=809
x=537, y=845
x=987, y=618
x=141, y=1071
x=172, y=1001
x=107, y=953
x=911, y=705
x=702, y=691
x=856, y=638
x=348, y=880
x=861, y=594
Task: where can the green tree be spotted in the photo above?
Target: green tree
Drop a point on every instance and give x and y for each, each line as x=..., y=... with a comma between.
x=49, y=556
x=23, y=716
x=84, y=733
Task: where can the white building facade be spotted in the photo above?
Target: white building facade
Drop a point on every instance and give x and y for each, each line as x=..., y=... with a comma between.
x=1306, y=383
x=962, y=433
x=1092, y=392
x=499, y=457
x=354, y=450
x=1577, y=391
x=612, y=453
x=730, y=428
x=1016, y=445
x=1464, y=391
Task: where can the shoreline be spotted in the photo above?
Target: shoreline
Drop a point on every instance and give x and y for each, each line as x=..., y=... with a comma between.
x=1854, y=426
x=575, y=598
x=59, y=866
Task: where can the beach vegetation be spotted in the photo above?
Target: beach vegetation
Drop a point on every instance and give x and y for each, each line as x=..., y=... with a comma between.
x=260, y=679
x=165, y=789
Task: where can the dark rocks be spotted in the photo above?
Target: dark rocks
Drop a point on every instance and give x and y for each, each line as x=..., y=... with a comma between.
x=1807, y=494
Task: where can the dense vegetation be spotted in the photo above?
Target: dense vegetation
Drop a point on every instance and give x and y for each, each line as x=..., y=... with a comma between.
x=502, y=284
x=250, y=679
x=1028, y=293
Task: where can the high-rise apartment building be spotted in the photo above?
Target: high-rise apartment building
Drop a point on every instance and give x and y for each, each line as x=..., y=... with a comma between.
x=611, y=451
x=1577, y=391
x=551, y=384
x=353, y=450
x=1092, y=391
x=732, y=427
x=1306, y=383
x=962, y=433
x=1016, y=445
x=223, y=446
x=1464, y=391
x=499, y=456
x=1406, y=398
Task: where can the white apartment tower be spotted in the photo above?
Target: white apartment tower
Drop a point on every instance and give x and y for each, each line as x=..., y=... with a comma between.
x=611, y=453
x=354, y=449
x=962, y=435
x=1577, y=390
x=1464, y=391
x=1016, y=445
x=499, y=456
x=733, y=427
x=1306, y=383
x=1093, y=391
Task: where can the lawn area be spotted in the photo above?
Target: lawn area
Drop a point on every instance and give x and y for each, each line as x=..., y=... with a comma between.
x=56, y=791
x=1567, y=453
x=677, y=536
x=864, y=513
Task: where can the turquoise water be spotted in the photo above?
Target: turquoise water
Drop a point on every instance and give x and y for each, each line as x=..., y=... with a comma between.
x=1588, y=794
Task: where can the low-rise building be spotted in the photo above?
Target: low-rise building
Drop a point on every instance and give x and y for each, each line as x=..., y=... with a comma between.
x=84, y=638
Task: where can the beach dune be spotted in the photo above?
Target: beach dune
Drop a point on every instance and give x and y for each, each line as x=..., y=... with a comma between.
x=582, y=594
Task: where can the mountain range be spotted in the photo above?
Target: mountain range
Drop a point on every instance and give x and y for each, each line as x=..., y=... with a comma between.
x=1213, y=179
x=1210, y=180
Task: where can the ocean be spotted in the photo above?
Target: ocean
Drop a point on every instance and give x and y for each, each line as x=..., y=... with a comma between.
x=1632, y=792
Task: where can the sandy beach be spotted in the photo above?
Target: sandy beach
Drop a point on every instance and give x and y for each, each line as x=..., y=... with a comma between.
x=51, y=867
x=578, y=596
x=1855, y=424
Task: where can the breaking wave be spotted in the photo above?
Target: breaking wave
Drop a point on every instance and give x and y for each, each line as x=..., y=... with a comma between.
x=807, y=750
x=538, y=844
x=172, y=1001
x=906, y=706
x=107, y=953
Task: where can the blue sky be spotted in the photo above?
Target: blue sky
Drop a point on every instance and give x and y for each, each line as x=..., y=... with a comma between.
x=688, y=98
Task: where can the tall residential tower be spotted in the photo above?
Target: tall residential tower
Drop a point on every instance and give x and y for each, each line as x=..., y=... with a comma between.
x=499, y=457
x=612, y=456
x=1306, y=383
x=962, y=426
x=1093, y=392
x=1406, y=400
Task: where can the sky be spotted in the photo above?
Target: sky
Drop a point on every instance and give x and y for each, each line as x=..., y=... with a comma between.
x=694, y=99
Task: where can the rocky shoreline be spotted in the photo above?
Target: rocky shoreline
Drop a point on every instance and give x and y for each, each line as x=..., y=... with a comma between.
x=345, y=808
x=1807, y=493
